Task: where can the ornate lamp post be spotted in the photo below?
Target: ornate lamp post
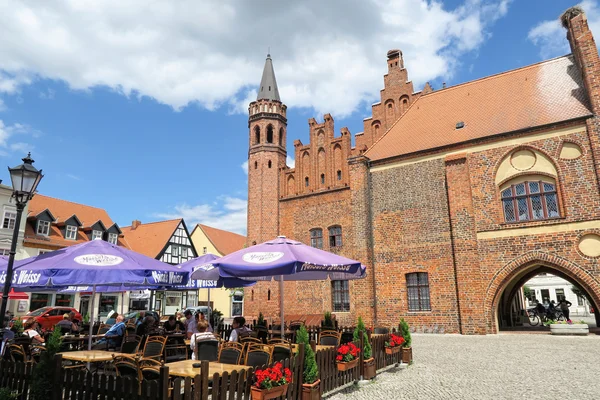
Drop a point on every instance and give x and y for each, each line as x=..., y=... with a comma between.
x=25, y=179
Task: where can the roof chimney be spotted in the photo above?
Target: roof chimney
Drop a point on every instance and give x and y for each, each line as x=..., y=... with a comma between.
x=584, y=51
x=135, y=223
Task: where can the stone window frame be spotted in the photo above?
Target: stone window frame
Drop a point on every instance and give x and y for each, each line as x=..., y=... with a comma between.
x=514, y=198
x=316, y=238
x=417, y=289
x=340, y=296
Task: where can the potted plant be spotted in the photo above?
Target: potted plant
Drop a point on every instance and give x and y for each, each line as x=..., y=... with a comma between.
x=311, y=388
x=42, y=384
x=568, y=328
x=407, y=356
x=369, y=368
x=327, y=322
x=271, y=382
x=261, y=320
x=17, y=327
x=347, y=356
x=394, y=345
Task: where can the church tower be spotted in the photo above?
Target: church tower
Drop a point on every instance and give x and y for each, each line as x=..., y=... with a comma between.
x=267, y=124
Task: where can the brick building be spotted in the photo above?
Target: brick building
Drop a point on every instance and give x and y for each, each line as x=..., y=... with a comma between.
x=453, y=198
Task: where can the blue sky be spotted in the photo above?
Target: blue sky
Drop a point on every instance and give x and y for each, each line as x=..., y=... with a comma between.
x=141, y=110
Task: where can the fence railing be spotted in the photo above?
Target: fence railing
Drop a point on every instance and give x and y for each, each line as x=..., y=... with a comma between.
x=80, y=384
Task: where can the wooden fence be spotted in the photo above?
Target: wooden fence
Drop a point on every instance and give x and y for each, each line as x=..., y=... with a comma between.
x=80, y=384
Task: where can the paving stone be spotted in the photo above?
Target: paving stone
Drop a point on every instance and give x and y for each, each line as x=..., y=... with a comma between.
x=509, y=366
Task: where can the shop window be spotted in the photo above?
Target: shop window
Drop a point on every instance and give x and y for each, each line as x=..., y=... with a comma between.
x=64, y=300
x=108, y=303
x=560, y=294
x=340, y=294
x=417, y=284
x=39, y=300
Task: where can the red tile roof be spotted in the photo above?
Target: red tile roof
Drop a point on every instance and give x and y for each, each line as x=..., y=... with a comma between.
x=536, y=95
x=150, y=238
x=224, y=241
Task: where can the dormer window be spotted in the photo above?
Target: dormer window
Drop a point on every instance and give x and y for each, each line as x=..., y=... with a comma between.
x=70, y=232
x=96, y=235
x=112, y=238
x=43, y=228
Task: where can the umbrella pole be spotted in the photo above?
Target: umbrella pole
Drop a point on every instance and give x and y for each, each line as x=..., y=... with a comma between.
x=122, y=301
x=208, y=311
x=281, y=306
x=92, y=318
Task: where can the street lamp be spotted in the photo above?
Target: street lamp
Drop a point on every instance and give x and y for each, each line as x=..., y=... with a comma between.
x=25, y=179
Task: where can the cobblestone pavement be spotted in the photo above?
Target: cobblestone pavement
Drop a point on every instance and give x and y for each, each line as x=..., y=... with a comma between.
x=505, y=366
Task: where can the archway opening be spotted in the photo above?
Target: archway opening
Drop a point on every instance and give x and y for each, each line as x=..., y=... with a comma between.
x=542, y=284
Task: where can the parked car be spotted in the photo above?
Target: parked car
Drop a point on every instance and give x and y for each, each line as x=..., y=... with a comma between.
x=132, y=316
x=47, y=317
x=203, y=309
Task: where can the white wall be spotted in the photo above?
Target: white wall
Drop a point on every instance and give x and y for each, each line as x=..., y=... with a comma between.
x=551, y=283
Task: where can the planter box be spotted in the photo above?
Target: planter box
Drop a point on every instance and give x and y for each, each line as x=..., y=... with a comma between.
x=345, y=366
x=392, y=350
x=273, y=393
x=311, y=391
x=370, y=368
x=407, y=355
x=572, y=329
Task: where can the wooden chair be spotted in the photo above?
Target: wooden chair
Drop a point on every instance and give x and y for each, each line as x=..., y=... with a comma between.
x=103, y=329
x=248, y=334
x=36, y=352
x=248, y=339
x=231, y=353
x=207, y=349
x=16, y=353
x=278, y=341
x=130, y=344
x=262, y=333
x=380, y=330
x=258, y=355
x=330, y=338
x=154, y=347
x=149, y=368
x=126, y=365
x=281, y=351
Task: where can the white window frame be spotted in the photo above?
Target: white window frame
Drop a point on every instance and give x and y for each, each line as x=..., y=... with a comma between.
x=113, y=238
x=12, y=219
x=234, y=301
x=174, y=250
x=70, y=232
x=95, y=234
x=45, y=228
x=184, y=251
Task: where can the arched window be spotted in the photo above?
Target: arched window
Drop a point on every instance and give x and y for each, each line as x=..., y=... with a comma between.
x=316, y=238
x=270, y=134
x=269, y=163
x=417, y=284
x=256, y=135
x=530, y=201
x=322, y=179
x=281, y=136
x=339, y=175
x=306, y=181
x=255, y=164
x=335, y=236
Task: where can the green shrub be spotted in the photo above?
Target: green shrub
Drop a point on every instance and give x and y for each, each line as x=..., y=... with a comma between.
x=216, y=319
x=311, y=371
x=42, y=383
x=18, y=325
x=8, y=394
x=405, y=332
x=261, y=319
x=360, y=327
x=328, y=320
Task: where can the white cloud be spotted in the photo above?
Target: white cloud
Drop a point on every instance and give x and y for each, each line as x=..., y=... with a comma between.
x=551, y=37
x=329, y=56
x=290, y=162
x=245, y=167
x=74, y=177
x=8, y=133
x=47, y=95
x=228, y=213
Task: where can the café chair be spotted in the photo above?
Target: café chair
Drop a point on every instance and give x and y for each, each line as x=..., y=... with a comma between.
x=248, y=339
x=278, y=341
x=207, y=349
x=330, y=338
x=262, y=333
x=154, y=347
x=103, y=328
x=149, y=369
x=231, y=353
x=16, y=353
x=281, y=351
x=380, y=330
x=130, y=344
x=126, y=365
x=36, y=352
x=258, y=355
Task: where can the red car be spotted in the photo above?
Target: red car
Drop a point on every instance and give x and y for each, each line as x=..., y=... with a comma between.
x=47, y=317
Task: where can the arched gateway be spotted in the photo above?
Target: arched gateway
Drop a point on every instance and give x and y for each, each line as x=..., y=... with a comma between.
x=504, y=288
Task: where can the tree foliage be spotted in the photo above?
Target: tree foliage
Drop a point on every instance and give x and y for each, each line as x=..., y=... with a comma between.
x=311, y=371
x=360, y=328
x=261, y=319
x=42, y=382
x=328, y=320
x=527, y=292
x=405, y=332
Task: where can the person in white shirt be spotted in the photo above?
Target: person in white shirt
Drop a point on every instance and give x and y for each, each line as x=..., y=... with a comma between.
x=190, y=324
x=31, y=331
x=238, y=327
x=202, y=334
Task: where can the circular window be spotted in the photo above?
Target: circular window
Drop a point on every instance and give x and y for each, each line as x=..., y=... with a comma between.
x=522, y=160
x=589, y=245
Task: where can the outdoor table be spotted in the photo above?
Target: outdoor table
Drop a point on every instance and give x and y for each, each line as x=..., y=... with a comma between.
x=185, y=368
x=277, y=332
x=318, y=347
x=186, y=341
x=89, y=356
x=377, y=334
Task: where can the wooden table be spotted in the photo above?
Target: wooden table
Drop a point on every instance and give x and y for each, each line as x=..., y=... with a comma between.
x=185, y=368
x=319, y=347
x=89, y=356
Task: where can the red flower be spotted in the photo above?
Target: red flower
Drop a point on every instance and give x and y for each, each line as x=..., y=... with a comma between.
x=270, y=377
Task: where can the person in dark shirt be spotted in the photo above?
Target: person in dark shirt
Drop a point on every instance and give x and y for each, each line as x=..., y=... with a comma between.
x=146, y=327
x=173, y=325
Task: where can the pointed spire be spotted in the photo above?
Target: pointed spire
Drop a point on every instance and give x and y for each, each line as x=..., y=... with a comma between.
x=268, y=85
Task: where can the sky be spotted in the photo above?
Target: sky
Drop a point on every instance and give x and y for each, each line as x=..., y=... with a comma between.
x=140, y=107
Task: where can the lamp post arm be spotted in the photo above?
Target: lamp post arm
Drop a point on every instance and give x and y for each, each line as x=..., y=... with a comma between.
x=11, y=261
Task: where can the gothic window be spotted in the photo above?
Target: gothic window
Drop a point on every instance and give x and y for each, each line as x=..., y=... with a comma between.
x=530, y=201
x=335, y=236
x=256, y=135
x=322, y=179
x=340, y=294
x=255, y=164
x=281, y=136
x=417, y=284
x=316, y=238
x=339, y=175
x=269, y=163
x=306, y=181
x=269, y=294
x=270, y=134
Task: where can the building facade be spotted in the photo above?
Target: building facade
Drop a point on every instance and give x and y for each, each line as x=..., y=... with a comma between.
x=209, y=240
x=452, y=198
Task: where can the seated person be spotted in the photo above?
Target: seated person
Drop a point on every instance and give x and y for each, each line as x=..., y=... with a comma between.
x=113, y=337
x=203, y=318
x=146, y=327
x=173, y=325
x=238, y=327
x=31, y=331
x=66, y=325
x=201, y=335
x=112, y=317
x=73, y=319
x=191, y=325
